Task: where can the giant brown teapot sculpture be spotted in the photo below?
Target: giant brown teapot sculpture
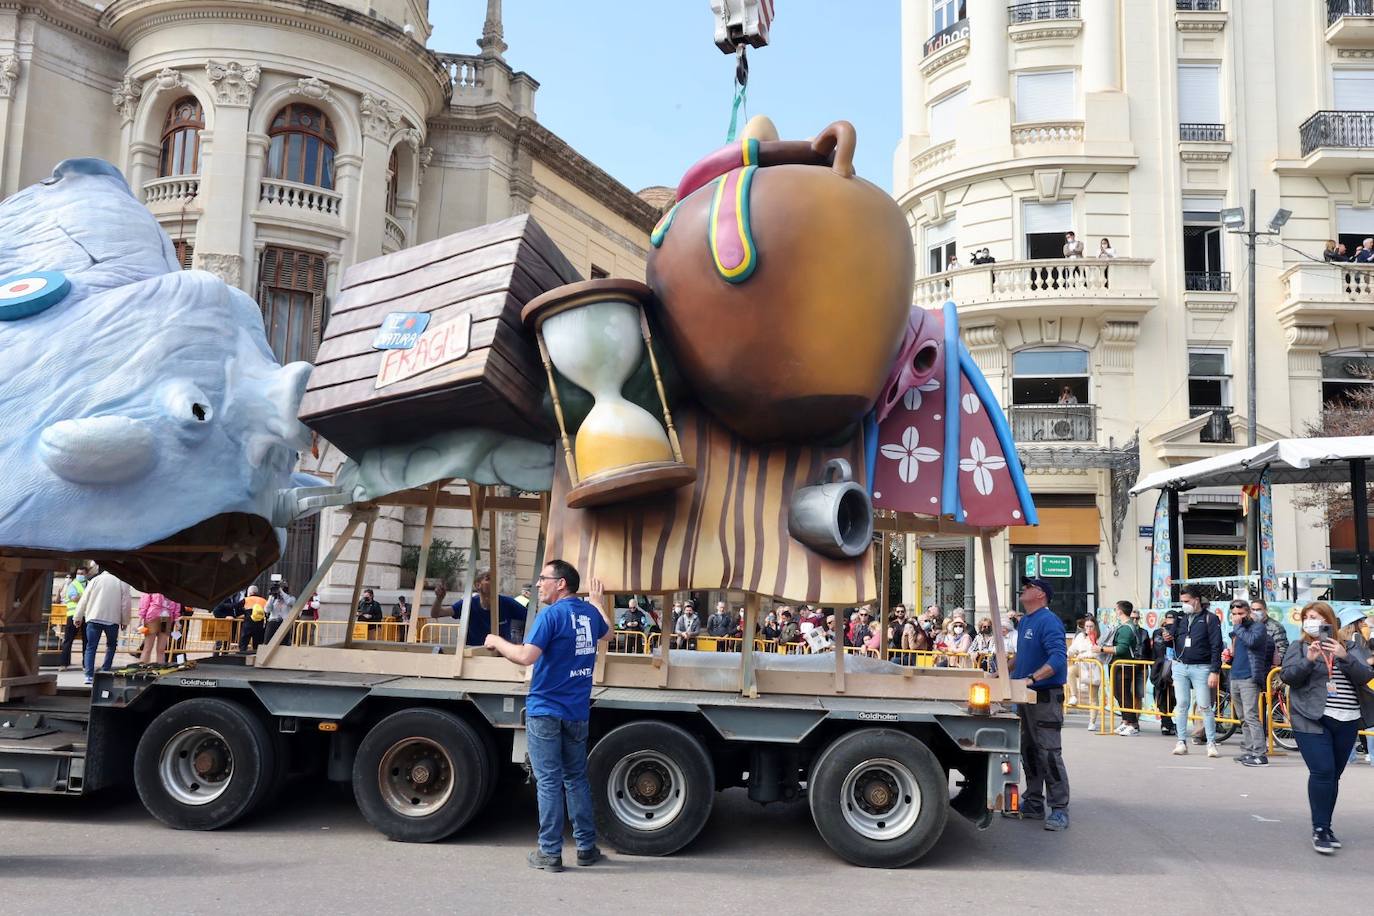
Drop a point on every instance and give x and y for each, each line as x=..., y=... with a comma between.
x=784, y=281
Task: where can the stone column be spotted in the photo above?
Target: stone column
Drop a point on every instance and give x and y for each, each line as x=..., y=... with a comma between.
x=1102, y=46
x=987, y=50
x=226, y=175
x=381, y=119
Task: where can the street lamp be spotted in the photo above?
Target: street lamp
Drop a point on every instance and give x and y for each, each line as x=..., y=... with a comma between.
x=1233, y=218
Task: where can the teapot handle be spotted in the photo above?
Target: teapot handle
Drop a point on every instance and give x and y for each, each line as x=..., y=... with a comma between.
x=840, y=138
x=844, y=474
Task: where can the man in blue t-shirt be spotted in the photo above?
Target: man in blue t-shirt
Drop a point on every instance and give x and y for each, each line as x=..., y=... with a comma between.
x=1042, y=660
x=561, y=645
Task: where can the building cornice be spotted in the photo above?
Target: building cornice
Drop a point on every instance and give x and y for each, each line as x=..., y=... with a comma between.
x=1051, y=30
x=1022, y=165
x=555, y=153
x=129, y=20
x=69, y=15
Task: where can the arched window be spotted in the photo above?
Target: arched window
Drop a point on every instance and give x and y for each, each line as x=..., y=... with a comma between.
x=181, y=138
x=393, y=182
x=303, y=146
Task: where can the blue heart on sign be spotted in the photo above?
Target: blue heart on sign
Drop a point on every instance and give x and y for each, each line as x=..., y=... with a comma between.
x=25, y=295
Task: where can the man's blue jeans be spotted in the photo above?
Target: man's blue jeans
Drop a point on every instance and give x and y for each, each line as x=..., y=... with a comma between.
x=558, y=755
x=93, y=633
x=1189, y=679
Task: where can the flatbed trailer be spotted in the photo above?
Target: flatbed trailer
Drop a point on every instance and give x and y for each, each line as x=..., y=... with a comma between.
x=210, y=744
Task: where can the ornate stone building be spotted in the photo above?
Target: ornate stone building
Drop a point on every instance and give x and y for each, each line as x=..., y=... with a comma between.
x=280, y=141
x=1141, y=122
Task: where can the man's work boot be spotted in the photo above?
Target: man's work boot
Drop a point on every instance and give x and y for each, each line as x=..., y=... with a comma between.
x=589, y=856
x=537, y=859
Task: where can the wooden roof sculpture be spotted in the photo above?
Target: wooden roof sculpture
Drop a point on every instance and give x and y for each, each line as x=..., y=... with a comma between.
x=147, y=423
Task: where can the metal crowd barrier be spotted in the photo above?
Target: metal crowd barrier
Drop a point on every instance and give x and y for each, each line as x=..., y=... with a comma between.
x=1101, y=688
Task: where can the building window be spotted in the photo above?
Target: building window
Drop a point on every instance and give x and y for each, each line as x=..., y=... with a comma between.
x=393, y=171
x=944, y=116
x=1049, y=96
x=1050, y=396
x=1209, y=392
x=186, y=252
x=291, y=291
x=1352, y=89
x=1202, y=246
x=1044, y=228
x=940, y=246
x=181, y=138
x=1199, y=102
x=599, y=273
x=303, y=147
x=1344, y=375
x=946, y=13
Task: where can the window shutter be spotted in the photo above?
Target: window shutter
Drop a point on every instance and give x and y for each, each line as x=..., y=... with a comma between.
x=1055, y=217
x=1199, y=94
x=1354, y=221
x=944, y=232
x=944, y=114
x=1353, y=90
x=1046, y=97
x=267, y=273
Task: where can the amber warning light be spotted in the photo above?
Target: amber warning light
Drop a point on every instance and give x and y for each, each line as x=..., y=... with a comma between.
x=979, y=699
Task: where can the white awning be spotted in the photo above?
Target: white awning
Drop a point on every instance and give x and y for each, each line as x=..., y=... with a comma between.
x=1287, y=460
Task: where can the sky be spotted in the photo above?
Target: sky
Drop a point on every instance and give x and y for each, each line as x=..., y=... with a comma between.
x=639, y=87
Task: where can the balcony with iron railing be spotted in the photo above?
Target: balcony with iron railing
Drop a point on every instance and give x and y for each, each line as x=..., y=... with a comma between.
x=1350, y=23
x=1337, y=141
x=1053, y=422
x=1080, y=287
x=1041, y=10
x=1217, y=429
x=1202, y=133
x=1319, y=294
x=1207, y=281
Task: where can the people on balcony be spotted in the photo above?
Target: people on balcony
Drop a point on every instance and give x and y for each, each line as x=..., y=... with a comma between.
x=1073, y=248
x=1105, y=249
x=953, y=263
x=983, y=256
x=1066, y=396
x=1366, y=252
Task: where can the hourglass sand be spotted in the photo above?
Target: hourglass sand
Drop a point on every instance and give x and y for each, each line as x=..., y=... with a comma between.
x=593, y=332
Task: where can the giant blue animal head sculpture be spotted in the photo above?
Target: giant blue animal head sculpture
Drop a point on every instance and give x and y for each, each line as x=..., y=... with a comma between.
x=141, y=410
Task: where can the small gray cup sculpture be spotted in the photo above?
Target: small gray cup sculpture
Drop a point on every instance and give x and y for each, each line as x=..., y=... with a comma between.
x=833, y=517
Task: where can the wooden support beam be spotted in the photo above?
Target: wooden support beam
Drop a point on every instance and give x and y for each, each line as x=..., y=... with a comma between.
x=994, y=609
x=884, y=598
x=748, y=684
x=358, y=579
x=470, y=577
x=423, y=497
x=837, y=638
x=422, y=568
x=356, y=518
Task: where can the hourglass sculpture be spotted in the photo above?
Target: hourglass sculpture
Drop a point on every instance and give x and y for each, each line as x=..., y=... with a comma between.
x=592, y=332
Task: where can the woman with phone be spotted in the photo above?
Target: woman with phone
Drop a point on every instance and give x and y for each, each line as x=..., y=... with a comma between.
x=1329, y=703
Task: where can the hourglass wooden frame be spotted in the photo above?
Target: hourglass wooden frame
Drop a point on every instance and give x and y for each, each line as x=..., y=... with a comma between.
x=631, y=480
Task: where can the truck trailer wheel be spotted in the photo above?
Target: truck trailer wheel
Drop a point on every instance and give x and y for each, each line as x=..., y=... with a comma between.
x=204, y=763
x=421, y=774
x=653, y=786
x=879, y=798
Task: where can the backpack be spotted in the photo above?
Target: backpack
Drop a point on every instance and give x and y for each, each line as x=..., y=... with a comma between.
x=1138, y=642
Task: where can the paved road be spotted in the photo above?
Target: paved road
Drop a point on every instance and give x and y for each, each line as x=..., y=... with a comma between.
x=1150, y=831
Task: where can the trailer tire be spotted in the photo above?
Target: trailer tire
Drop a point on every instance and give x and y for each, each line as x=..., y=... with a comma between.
x=421, y=774
x=653, y=786
x=204, y=763
x=879, y=798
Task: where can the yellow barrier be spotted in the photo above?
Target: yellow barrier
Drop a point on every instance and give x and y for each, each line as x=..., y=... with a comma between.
x=444, y=634
x=1097, y=709
x=216, y=635
x=1117, y=672
x=629, y=642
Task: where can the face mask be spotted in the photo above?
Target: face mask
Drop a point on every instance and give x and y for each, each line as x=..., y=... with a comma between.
x=1311, y=627
x=81, y=578
x=958, y=629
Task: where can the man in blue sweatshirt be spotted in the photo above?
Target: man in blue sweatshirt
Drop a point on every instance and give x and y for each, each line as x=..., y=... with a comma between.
x=1042, y=660
x=1251, y=653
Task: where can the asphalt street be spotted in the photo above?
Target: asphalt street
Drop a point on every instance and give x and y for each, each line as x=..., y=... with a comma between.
x=1149, y=831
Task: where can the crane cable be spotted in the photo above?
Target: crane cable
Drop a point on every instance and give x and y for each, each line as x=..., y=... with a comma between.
x=741, y=90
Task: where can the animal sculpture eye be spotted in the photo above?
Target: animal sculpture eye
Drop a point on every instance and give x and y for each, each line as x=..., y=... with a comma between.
x=25, y=295
x=184, y=402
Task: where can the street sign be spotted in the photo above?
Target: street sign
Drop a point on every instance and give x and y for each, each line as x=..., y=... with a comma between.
x=1056, y=566
x=1147, y=531
x=1030, y=566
